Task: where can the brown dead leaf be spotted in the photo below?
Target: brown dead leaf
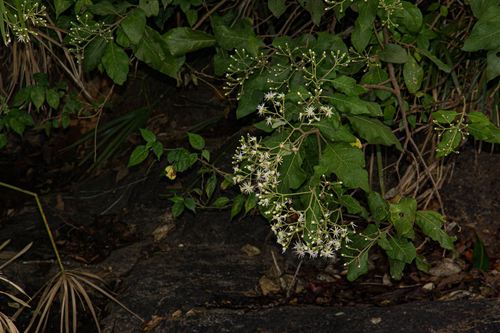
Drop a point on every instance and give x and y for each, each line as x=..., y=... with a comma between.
x=60, y=204
x=267, y=285
x=149, y=325
x=250, y=250
x=446, y=267
x=121, y=174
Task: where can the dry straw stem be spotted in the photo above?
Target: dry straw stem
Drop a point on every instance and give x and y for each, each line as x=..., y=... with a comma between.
x=68, y=285
x=6, y=323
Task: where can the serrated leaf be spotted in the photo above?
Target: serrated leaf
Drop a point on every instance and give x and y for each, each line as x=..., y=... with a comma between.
x=212, y=181
x=196, y=141
x=116, y=62
x=431, y=224
x=184, y=40
x=94, y=53
x=413, y=75
x=422, y=263
x=393, y=53
x=177, y=209
x=346, y=162
x=277, y=7
x=190, y=204
x=486, y=32
x=52, y=98
x=480, y=257
x=138, y=155
x=379, y=208
x=374, y=131
x=237, y=205
x=134, y=25
x=402, y=250
x=403, y=215
x=222, y=201
x=348, y=104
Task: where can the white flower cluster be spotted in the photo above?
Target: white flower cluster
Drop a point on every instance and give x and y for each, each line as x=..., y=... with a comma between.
x=31, y=13
x=256, y=170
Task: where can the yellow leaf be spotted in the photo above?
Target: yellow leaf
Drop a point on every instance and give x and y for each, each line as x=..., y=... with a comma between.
x=224, y=184
x=170, y=172
x=357, y=143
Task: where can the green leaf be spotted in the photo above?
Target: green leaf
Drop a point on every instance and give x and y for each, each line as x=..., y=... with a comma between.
x=441, y=65
x=61, y=6
x=22, y=96
x=177, y=199
x=358, y=267
x=192, y=17
x=346, y=162
x=478, y=117
x=402, y=250
x=147, y=135
x=480, y=257
x=315, y=8
x=277, y=7
x=3, y=140
x=206, y=155
x=413, y=74
x=190, y=204
x=397, y=267
x=134, y=25
x=292, y=175
x=340, y=134
x=479, y=7
x=177, y=209
x=116, y=62
x=393, y=53
x=348, y=86
x=444, y=117
x=361, y=38
x=379, y=208
x=196, y=141
x=122, y=38
x=249, y=102
x=422, y=263
x=38, y=96
x=182, y=159
x=493, y=64
x=102, y=8
x=150, y=7
x=352, y=205
x=412, y=17
x=230, y=39
x=154, y=51
x=65, y=120
x=431, y=224
x=486, y=32
x=367, y=14
x=212, y=181
x=93, y=53
x=138, y=155
x=184, y=40
x=380, y=75
x=237, y=205
x=17, y=125
x=374, y=131
x=450, y=140
x=403, y=215
x=52, y=98
x=157, y=149
x=384, y=243
x=222, y=201
x=250, y=202
x=348, y=104
x=374, y=108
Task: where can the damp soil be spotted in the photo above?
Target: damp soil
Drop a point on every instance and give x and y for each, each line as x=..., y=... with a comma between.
x=204, y=272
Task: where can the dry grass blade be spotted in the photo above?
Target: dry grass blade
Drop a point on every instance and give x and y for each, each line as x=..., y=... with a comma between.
x=7, y=325
x=67, y=284
x=17, y=255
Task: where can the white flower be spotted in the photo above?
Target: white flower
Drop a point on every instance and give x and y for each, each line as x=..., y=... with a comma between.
x=269, y=95
x=247, y=188
x=261, y=109
x=299, y=249
x=328, y=111
x=269, y=120
x=309, y=111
